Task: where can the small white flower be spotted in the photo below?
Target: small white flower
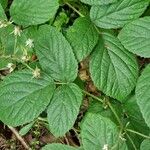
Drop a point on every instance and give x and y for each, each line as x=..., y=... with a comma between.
x=29, y=43
x=4, y=23
x=17, y=31
x=105, y=147
x=25, y=58
x=36, y=73
x=11, y=67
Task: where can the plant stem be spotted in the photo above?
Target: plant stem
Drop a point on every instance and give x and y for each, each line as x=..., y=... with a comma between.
x=15, y=132
x=115, y=114
x=140, y=134
x=130, y=139
x=93, y=96
x=15, y=44
x=74, y=9
x=108, y=103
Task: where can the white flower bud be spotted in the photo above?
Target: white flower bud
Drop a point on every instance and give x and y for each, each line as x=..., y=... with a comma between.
x=29, y=43
x=36, y=73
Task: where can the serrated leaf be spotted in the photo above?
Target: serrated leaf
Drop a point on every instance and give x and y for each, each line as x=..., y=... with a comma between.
x=82, y=37
x=98, y=2
x=98, y=133
x=134, y=115
x=64, y=108
x=145, y=145
x=98, y=107
x=33, y=12
x=113, y=69
x=143, y=94
x=2, y=14
x=58, y=147
x=23, y=98
x=135, y=37
x=55, y=55
x=118, y=14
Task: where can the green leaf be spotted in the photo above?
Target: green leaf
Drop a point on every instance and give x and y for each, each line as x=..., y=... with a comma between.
x=2, y=14
x=113, y=69
x=143, y=94
x=135, y=117
x=145, y=145
x=98, y=107
x=82, y=37
x=55, y=55
x=64, y=108
x=4, y=62
x=98, y=133
x=118, y=14
x=26, y=129
x=4, y=3
x=33, y=12
x=58, y=147
x=12, y=44
x=23, y=98
x=136, y=35
x=98, y=2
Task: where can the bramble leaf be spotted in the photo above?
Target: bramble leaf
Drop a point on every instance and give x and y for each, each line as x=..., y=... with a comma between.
x=2, y=13
x=113, y=69
x=33, y=12
x=64, y=108
x=117, y=14
x=98, y=133
x=83, y=37
x=55, y=55
x=143, y=94
x=98, y=2
x=145, y=145
x=135, y=37
x=58, y=147
x=23, y=98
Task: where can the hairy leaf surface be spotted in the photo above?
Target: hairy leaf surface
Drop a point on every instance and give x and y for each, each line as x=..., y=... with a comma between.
x=23, y=98
x=113, y=69
x=33, y=12
x=117, y=14
x=64, y=108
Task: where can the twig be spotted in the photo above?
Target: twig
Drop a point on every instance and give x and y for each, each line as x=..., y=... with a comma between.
x=140, y=134
x=15, y=132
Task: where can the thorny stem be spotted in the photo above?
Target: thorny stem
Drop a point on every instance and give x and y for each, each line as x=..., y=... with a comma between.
x=140, y=134
x=74, y=9
x=130, y=139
